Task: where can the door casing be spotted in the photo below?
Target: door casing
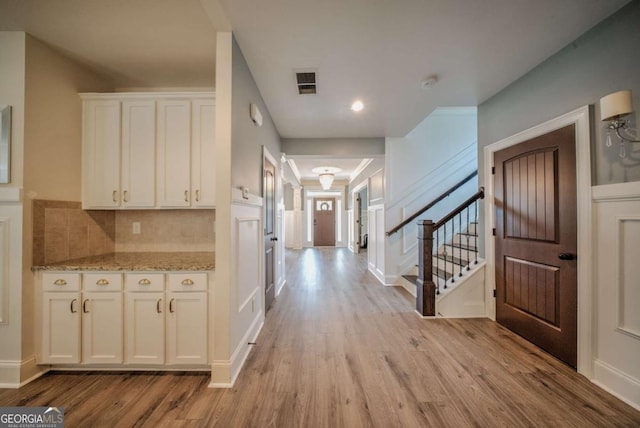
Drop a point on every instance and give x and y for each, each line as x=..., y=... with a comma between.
x=581, y=118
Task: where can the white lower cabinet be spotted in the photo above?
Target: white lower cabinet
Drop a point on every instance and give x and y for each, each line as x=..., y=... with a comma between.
x=88, y=319
x=186, y=334
x=144, y=320
x=60, y=327
x=102, y=327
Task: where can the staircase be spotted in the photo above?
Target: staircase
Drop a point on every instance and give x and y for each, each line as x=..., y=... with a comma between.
x=458, y=275
x=447, y=259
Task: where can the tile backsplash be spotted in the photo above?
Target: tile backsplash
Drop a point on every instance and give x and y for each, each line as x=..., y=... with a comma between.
x=64, y=231
x=165, y=230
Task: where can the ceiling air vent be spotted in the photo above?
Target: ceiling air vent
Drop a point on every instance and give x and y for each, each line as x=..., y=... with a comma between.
x=306, y=82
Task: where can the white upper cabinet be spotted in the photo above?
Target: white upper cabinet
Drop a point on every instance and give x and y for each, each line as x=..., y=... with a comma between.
x=101, y=154
x=203, y=154
x=148, y=150
x=174, y=153
x=138, y=154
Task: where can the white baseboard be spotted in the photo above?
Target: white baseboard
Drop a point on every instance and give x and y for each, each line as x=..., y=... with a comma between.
x=620, y=384
x=11, y=372
x=225, y=372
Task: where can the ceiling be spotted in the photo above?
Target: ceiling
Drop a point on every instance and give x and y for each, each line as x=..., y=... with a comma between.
x=349, y=168
x=378, y=51
x=134, y=43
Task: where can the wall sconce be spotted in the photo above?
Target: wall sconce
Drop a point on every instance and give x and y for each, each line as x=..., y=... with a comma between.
x=613, y=108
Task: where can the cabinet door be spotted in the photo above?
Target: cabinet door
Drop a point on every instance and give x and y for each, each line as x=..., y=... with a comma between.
x=187, y=328
x=60, y=328
x=138, y=154
x=102, y=327
x=174, y=153
x=144, y=328
x=101, y=154
x=203, y=154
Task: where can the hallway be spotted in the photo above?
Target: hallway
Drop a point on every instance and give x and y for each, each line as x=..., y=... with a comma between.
x=339, y=350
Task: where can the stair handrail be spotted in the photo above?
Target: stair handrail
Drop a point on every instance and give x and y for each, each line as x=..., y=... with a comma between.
x=431, y=204
x=457, y=210
x=426, y=288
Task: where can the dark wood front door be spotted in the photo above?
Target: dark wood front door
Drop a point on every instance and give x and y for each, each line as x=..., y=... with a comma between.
x=324, y=222
x=536, y=226
x=270, y=237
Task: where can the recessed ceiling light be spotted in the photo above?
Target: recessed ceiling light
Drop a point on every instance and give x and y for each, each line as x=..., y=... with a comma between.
x=357, y=106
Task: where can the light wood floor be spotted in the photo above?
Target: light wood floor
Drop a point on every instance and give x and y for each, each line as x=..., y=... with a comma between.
x=339, y=350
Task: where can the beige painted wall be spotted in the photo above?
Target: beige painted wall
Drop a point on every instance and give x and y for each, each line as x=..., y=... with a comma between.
x=12, y=63
x=52, y=146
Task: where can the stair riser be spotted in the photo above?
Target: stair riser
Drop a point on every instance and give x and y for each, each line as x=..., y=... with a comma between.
x=460, y=253
x=465, y=239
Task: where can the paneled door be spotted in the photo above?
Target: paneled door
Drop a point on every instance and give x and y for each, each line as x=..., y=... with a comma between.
x=536, y=227
x=324, y=222
x=270, y=238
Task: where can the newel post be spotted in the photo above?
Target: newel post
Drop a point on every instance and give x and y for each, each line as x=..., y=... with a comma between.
x=426, y=292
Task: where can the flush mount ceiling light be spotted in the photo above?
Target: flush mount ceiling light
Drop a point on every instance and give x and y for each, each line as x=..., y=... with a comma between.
x=326, y=175
x=613, y=108
x=357, y=106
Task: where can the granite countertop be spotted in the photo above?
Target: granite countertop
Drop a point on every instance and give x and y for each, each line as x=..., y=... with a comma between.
x=137, y=262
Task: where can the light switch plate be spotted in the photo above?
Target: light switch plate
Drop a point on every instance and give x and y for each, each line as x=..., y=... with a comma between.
x=245, y=192
x=136, y=228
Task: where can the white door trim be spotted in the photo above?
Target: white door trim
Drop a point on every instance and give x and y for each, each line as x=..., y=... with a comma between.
x=581, y=118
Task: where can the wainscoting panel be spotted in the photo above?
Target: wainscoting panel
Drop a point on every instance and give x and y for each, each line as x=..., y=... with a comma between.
x=248, y=232
x=616, y=210
x=629, y=276
x=4, y=269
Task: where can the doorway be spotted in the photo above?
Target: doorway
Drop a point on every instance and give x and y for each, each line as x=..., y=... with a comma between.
x=324, y=222
x=536, y=241
x=270, y=238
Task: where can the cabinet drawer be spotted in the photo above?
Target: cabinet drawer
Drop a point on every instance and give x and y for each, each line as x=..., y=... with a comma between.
x=193, y=281
x=61, y=281
x=102, y=281
x=144, y=282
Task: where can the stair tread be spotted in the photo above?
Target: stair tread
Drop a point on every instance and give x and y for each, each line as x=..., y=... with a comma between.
x=463, y=246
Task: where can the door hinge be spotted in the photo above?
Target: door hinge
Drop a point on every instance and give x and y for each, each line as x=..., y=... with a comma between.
x=494, y=231
x=494, y=293
x=493, y=170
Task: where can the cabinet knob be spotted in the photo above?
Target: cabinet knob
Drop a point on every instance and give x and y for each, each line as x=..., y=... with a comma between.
x=144, y=281
x=102, y=282
x=187, y=281
x=60, y=282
